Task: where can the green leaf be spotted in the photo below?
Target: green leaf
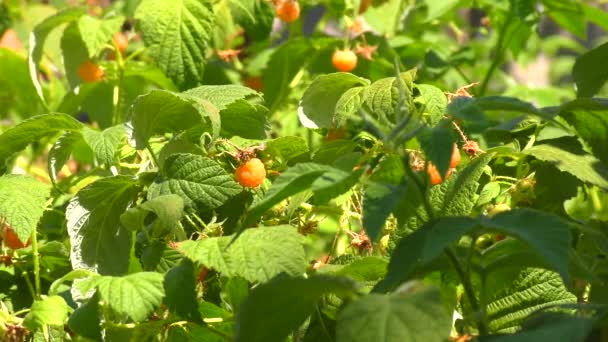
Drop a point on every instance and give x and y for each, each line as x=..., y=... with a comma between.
x=568, y=14
x=549, y=326
x=588, y=77
x=161, y=112
x=180, y=287
x=548, y=234
x=177, y=35
x=244, y=119
x=423, y=246
x=105, y=143
x=436, y=9
x=334, y=183
x=168, y=209
x=590, y=119
x=284, y=64
x=286, y=148
x=60, y=153
x=17, y=85
x=318, y=105
x=472, y=108
x=296, y=179
x=52, y=310
x=433, y=101
x=96, y=33
x=257, y=255
x=86, y=320
x=22, y=203
x=275, y=309
x=382, y=96
x=529, y=291
x=16, y=138
x=74, y=53
x=200, y=181
x=38, y=38
x=566, y=156
x=459, y=196
x=348, y=105
x=221, y=96
x=438, y=145
x=382, y=194
x=134, y=296
x=254, y=16
x=234, y=291
x=366, y=269
x=415, y=315
x=98, y=241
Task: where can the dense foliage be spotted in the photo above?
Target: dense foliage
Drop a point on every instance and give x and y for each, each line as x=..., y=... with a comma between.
x=313, y=170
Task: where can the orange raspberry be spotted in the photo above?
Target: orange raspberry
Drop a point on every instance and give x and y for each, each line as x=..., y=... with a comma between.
x=90, y=72
x=251, y=174
x=288, y=10
x=455, y=157
x=11, y=240
x=344, y=60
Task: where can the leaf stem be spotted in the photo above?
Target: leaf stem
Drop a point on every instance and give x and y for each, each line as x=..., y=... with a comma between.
x=36, y=256
x=152, y=155
x=499, y=56
x=468, y=289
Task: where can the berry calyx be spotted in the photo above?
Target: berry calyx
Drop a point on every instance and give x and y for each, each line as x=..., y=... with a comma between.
x=344, y=60
x=455, y=157
x=288, y=10
x=90, y=72
x=251, y=174
x=11, y=240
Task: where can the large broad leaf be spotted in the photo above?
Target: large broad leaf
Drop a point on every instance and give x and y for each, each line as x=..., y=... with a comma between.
x=590, y=119
x=383, y=96
x=566, y=156
x=296, y=179
x=244, y=119
x=319, y=101
x=168, y=209
x=433, y=101
x=568, y=14
x=459, y=193
x=96, y=33
x=17, y=86
x=438, y=146
x=472, y=108
x=74, y=54
x=550, y=326
x=222, y=95
x=529, y=291
x=180, y=286
x=86, y=319
x=61, y=151
x=283, y=66
x=254, y=16
x=18, y=137
x=590, y=78
x=105, y=143
x=275, y=309
x=382, y=194
x=257, y=255
x=402, y=316
x=423, y=246
x=333, y=183
x=436, y=9
x=22, y=202
x=99, y=242
x=548, y=234
x=52, y=310
x=177, y=34
x=200, y=181
x=134, y=296
x=38, y=37
x=160, y=112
